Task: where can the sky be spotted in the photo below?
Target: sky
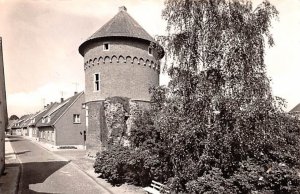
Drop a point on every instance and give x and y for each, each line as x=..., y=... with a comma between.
x=41, y=40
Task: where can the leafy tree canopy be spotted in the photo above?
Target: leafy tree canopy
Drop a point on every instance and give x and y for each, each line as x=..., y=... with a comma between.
x=13, y=117
x=217, y=128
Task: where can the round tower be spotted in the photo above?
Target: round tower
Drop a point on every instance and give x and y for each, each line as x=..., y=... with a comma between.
x=120, y=59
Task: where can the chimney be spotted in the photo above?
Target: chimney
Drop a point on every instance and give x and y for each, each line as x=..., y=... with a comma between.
x=61, y=99
x=122, y=8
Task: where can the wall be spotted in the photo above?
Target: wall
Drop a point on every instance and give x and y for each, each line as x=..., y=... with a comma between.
x=97, y=129
x=126, y=70
x=3, y=111
x=13, y=132
x=93, y=139
x=47, y=135
x=25, y=131
x=69, y=133
x=35, y=133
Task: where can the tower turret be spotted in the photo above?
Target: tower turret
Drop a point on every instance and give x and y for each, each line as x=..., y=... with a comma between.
x=120, y=59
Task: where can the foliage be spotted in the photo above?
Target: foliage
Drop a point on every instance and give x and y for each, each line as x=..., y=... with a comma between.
x=111, y=164
x=122, y=164
x=13, y=117
x=116, y=110
x=138, y=164
x=216, y=128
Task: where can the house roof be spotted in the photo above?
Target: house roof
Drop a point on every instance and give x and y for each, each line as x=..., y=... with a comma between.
x=24, y=120
x=11, y=123
x=18, y=123
x=121, y=25
x=57, y=111
x=296, y=109
x=38, y=116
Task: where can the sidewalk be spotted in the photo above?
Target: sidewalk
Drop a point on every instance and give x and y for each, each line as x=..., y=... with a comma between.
x=10, y=180
x=80, y=160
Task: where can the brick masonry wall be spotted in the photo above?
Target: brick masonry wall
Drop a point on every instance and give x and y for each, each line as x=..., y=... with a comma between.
x=3, y=111
x=93, y=143
x=35, y=132
x=97, y=129
x=46, y=135
x=67, y=132
x=126, y=70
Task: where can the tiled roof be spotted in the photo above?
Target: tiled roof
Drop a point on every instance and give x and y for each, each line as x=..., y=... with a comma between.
x=11, y=123
x=24, y=121
x=38, y=116
x=121, y=25
x=57, y=111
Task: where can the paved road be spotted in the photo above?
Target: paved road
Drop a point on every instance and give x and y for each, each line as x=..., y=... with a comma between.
x=44, y=172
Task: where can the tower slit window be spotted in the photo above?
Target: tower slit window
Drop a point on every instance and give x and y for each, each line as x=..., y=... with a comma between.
x=150, y=51
x=105, y=46
x=97, y=82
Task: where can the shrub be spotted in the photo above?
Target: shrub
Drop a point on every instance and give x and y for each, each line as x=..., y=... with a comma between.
x=122, y=164
x=111, y=164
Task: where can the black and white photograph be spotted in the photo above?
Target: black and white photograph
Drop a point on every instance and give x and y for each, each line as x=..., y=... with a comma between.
x=149, y=96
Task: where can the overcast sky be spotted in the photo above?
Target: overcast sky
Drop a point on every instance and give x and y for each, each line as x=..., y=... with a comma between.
x=41, y=39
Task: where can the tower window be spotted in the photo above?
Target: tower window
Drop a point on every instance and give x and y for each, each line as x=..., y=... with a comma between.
x=97, y=82
x=150, y=51
x=105, y=46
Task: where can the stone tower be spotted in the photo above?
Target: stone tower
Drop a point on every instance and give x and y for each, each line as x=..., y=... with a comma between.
x=3, y=111
x=120, y=59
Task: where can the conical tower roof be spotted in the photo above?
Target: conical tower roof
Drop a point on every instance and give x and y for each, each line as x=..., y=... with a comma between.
x=121, y=25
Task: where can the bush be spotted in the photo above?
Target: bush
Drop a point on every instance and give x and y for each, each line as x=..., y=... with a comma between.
x=111, y=165
x=122, y=164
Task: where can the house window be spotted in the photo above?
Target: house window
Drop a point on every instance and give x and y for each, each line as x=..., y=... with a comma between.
x=48, y=119
x=76, y=118
x=43, y=120
x=53, y=136
x=96, y=82
x=150, y=51
x=106, y=47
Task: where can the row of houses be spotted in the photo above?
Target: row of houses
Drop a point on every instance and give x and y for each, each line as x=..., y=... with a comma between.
x=59, y=123
x=120, y=60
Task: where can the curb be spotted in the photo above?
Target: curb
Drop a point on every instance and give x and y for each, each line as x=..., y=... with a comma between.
x=74, y=165
x=91, y=177
x=18, y=166
x=18, y=180
x=20, y=175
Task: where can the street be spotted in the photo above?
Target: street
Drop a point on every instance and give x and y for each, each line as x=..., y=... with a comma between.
x=45, y=172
